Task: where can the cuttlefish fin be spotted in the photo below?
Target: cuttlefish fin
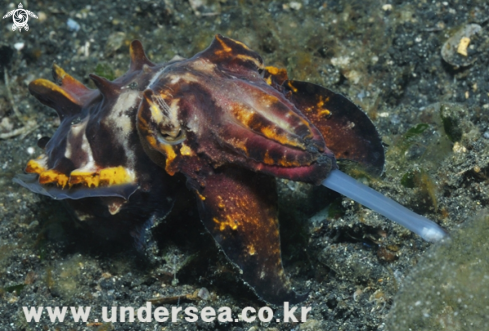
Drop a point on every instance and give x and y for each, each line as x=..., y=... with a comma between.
x=239, y=208
x=346, y=129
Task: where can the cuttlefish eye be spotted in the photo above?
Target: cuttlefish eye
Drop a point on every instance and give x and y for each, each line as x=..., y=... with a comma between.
x=171, y=137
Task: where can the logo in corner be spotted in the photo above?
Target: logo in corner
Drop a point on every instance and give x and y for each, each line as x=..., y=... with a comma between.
x=20, y=16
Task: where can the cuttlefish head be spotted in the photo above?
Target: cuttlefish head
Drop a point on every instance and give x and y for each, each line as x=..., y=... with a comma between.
x=95, y=152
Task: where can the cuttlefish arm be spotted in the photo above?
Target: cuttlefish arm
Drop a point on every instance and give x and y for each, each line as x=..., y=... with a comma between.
x=239, y=209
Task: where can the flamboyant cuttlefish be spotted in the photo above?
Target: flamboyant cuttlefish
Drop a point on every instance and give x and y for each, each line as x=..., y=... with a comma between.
x=227, y=122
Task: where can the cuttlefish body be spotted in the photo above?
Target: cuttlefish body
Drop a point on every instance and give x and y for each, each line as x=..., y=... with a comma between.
x=223, y=119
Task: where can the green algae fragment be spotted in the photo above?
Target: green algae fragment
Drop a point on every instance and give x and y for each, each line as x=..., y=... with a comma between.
x=105, y=70
x=422, y=181
x=410, y=137
x=451, y=122
x=14, y=288
x=408, y=179
x=415, y=131
x=335, y=209
x=49, y=278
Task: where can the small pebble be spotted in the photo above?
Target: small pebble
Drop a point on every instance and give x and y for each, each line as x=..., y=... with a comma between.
x=19, y=46
x=114, y=42
x=459, y=148
x=454, y=50
x=486, y=134
x=204, y=294
x=42, y=16
x=341, y=62
x=295, y=5
x=6, y=125
x=395, y=119
x=32, y=225
x=462, y=46
x=73, y=25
